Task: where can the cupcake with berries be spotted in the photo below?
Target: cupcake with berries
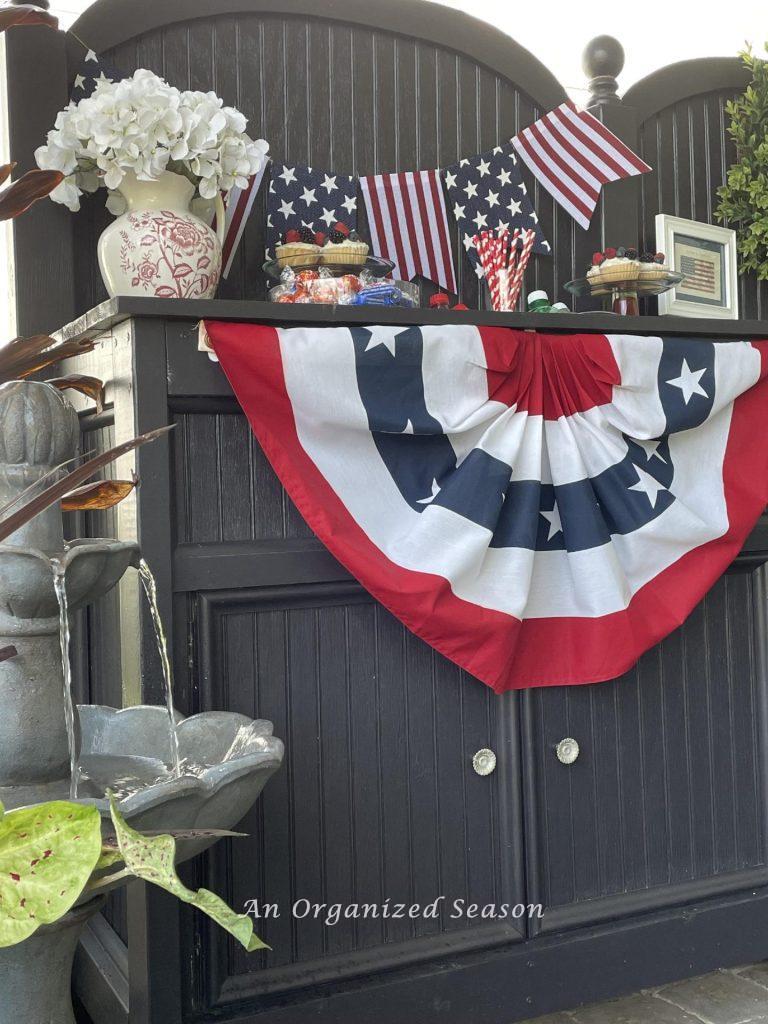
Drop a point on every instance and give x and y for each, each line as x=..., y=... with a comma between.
x=298, y=248
x=614, y=266
x=653, y=266
x=344, y=247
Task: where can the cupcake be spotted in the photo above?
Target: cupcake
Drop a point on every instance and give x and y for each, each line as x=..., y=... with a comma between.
x=298, y=249
x=653, y=267
x=344, y=247
x=613, y=266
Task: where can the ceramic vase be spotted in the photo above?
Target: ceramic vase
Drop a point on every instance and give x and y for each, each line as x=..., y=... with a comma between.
x=158, y=248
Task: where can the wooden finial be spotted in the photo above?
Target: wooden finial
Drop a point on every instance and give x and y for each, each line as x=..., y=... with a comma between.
x=602, y=62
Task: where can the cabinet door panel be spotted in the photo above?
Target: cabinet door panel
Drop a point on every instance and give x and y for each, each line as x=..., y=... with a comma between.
x=377, y=800
x=667, y=797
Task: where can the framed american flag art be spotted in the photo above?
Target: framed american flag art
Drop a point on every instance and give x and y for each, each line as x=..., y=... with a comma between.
x=706, y=255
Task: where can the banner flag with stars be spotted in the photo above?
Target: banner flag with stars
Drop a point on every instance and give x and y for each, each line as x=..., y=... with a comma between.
x=91, y=71
x=306, y=197
x=487, y=192
x=539, y=508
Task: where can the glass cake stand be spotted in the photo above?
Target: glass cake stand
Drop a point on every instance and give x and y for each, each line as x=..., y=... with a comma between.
x=623, y=294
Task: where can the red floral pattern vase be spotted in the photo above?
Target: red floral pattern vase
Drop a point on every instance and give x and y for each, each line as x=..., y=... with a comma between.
x=158, y=248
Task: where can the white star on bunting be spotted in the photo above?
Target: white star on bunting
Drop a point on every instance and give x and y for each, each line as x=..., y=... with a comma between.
x=553, y=518
x=648, y=485
x=689, y=382
x=433, y=495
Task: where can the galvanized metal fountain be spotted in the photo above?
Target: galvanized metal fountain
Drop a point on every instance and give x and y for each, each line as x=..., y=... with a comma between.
x=169, y=772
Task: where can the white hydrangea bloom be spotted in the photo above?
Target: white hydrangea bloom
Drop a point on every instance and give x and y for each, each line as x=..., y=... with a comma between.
x=146, y=126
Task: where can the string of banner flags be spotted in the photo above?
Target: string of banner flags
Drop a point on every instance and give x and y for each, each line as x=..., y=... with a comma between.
x=570, y=152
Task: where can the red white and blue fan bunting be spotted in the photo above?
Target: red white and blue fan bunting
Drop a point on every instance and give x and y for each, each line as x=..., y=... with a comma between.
x=539, y=508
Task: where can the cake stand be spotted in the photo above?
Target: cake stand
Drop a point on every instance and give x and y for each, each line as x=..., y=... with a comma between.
x=623, y=292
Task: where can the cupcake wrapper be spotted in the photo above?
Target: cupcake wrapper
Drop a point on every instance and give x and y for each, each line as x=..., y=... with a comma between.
x=628, y=273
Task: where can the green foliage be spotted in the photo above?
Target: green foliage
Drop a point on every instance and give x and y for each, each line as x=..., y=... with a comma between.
x=52, y=854
x=47, y=855
x=152, y=858
x=744, y=197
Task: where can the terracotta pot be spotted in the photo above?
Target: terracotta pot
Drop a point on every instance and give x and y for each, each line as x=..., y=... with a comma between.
x=158, y=248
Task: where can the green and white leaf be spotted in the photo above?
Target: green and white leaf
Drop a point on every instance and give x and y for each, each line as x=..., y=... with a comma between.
x=47, y=855
x=152, y=858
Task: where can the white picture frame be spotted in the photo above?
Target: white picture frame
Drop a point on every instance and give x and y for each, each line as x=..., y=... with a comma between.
x=709, y=252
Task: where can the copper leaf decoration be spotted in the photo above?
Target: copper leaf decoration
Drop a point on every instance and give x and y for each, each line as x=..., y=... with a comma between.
x=32, y=186
x=98, y=496
x=24, y=356
x=91, y=387
x=71, y=480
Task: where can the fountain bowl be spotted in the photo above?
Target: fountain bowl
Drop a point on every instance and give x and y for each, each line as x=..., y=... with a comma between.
x=226, y=758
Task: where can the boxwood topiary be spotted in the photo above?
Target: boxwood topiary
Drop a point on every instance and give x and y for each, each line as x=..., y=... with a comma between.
x=744, y=197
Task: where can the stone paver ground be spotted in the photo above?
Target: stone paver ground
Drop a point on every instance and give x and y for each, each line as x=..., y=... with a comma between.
x=737, y=996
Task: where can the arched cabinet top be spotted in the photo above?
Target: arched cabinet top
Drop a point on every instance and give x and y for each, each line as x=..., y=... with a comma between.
x=109, y=23
x=683, y=80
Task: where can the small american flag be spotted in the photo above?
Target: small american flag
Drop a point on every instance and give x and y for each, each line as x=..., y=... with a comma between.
x=239, y=208
x=409, y=225
x=572, y=155
x=699, y=275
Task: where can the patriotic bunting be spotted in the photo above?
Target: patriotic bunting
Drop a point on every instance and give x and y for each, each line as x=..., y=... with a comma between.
x=239, y=207
x=305, y=197
x=572, y=155
x=487, y=191
x=408, y=225
x=539, y=508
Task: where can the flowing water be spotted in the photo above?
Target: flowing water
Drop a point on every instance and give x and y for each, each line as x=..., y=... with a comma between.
x=150, y=589
x=60, y=586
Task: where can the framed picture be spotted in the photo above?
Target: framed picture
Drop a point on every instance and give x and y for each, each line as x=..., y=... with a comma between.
x=706, y=255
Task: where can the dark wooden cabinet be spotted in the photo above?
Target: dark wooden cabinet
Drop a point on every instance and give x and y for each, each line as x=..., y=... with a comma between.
x=647, y=853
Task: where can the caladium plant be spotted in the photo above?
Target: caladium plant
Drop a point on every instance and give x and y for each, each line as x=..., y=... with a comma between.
x=53, y=854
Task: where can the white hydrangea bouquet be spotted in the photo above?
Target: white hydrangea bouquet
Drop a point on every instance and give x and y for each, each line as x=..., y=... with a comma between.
x=155, y=148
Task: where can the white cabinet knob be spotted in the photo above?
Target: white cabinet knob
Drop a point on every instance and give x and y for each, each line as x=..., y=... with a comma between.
x=567, y=750
x=484, y=761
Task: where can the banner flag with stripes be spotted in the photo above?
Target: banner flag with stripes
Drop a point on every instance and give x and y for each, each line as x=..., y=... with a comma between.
x=572, y=155
x=409, y=225
x=239, y=207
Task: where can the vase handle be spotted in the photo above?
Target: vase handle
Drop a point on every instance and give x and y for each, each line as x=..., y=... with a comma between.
x=221, y=219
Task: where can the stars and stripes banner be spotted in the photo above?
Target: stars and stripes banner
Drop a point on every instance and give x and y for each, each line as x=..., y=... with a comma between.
x=239, y=208
x=306, y=197
x=539, y=508
x=91, y=71
x=572, y=155
x=408, y=225
x=487, y=191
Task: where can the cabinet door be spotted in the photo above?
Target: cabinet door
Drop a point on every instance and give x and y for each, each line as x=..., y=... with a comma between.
x=377, y=802
x=666, y=799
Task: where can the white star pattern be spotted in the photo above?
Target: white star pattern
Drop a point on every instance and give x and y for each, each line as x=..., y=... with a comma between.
x=689, y=382
x=504, y=177
x=458, y=211
x=651, y=449
x=492, y=198
x=288, y=174
x=386, y=336
x=308, y=195
x=450, y=180
x=329, y=184
x=471, y=190
x=480, y=220
x=534, y=218
x=79, y=82
x=350, y=204
x=648, y=485
x=514, y=207
x=468, y=242
x=503, y=225
x=553, y=518
x=91, y=56
x=497, y=150
x=329, y=216
x=286, y=209
x=464, y=162
x=408, y=429
x=433, y=495
x=484, y=168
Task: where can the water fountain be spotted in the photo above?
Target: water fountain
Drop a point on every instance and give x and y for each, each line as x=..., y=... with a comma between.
x=204, y=772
